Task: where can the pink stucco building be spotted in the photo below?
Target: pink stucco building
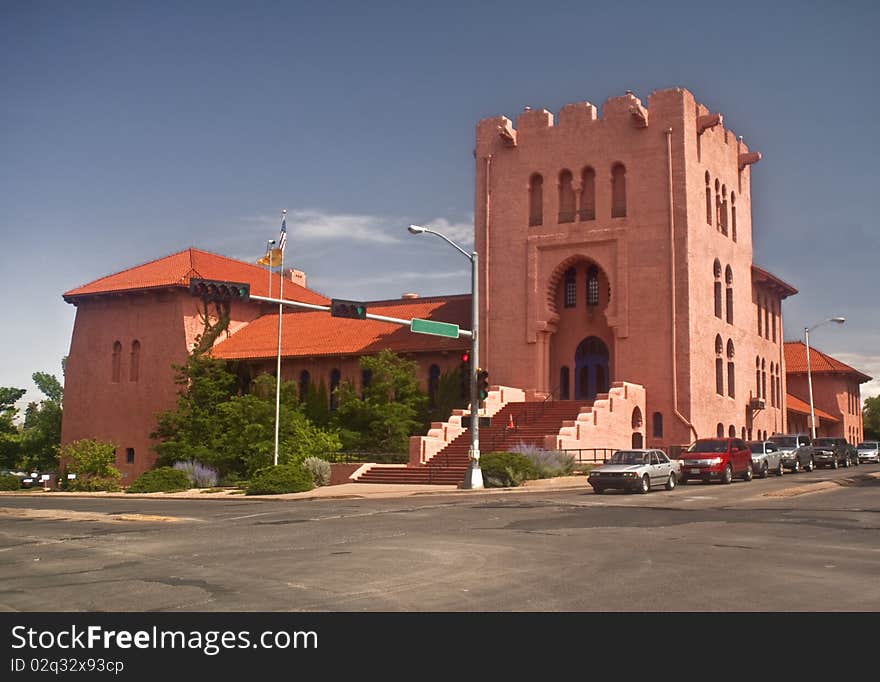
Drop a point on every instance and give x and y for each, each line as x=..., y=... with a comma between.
x=617, y=274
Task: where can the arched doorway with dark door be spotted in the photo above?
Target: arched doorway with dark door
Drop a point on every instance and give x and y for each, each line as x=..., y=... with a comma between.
x=591, y=375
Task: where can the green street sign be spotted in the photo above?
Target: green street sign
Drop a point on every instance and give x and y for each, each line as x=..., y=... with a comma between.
x=435, y=328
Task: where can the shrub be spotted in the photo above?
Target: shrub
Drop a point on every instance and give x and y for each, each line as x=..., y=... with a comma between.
x=548, y=463
x=200, y=476
x=92, y=462
x=161, y=480
x=276, y=480
x=506, y=469
x=319, y=468
x=10, y=482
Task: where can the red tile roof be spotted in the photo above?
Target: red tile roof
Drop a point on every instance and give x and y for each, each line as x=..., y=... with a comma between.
x=796, y=362
x=176, y=270
x=795, y=404
x=312, y=334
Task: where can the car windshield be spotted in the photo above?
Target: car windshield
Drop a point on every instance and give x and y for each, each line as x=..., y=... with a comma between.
x=867, y=446
x=756, y=447
x=784, y=441
x=709, y=446
x=826, y=441
x=628, y=457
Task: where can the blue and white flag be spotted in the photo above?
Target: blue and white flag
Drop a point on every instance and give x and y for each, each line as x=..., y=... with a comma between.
x=282, y=239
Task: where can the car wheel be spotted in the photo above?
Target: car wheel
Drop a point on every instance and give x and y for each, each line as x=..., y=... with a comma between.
x=780, y=470
x=750, y=473
x=764, y=470
x=728, y=475
x=835, y=464
x=670, y=482
x=646, y=484
x=598, y=490
x=810, y=466
x=796, y=467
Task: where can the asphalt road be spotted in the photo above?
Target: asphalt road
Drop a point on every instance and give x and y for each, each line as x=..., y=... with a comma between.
x=783, y=544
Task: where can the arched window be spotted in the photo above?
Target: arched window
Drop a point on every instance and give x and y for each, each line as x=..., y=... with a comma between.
x=724, y=210
x=433, y=384
x=716, y=271
x=588, y=194
x=657, y=430
x=304, y=381
x=731, y=370
x=743, y=432
x=719, y=430
x=763, y=378
x=564, y=383
x=757, y=377
x=335, y=376
x=637, y=441
x=719, y=366
x=536, y=199
x=636, y=418
x=566, y=198
x=728, y=280
x=618, y=191
x=733, y=215
x=117, y=362
x=766, y=319
x=570, y=288
x=717, y=205
x=731, y=432
x=135, y=361
x=760, y=316
x=708, y=199
x=592, y=286
x=775, y=318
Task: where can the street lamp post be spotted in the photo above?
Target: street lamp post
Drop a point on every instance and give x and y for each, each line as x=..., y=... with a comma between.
x=474, y=477
x=807, y=330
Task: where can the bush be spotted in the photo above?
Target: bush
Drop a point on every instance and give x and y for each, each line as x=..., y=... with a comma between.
x=161, y=480
x=92, y=462
x=10, y=482
x=547, y=463
x=91, y=483
x=319, y=468
x=200, y=476
x=276, y=480
x=506, y=469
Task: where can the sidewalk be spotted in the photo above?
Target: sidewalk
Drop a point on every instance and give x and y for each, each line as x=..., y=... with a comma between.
x=334, y=492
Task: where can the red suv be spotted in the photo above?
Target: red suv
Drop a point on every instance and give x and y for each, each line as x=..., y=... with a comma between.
x=716, y=458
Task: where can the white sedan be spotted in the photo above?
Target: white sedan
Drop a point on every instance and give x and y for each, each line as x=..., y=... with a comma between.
x=869, y=451
x=636, y=470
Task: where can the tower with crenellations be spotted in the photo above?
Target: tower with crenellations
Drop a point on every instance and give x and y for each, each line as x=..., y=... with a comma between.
x=617, y=246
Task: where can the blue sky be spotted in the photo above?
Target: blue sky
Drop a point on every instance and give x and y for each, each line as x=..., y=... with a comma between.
x=131, y=130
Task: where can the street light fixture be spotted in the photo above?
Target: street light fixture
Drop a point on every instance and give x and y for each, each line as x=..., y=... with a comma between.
x=807, y=330
x=474, y=477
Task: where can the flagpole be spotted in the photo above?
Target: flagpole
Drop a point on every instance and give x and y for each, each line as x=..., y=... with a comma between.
x=280, y=315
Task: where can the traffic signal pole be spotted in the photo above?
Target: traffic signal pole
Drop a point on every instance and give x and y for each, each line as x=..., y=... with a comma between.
x=474, y=477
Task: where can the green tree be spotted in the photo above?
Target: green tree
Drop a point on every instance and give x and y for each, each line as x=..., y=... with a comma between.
x=92, y=462
x=871, y=417
x=41, y=433
x=448, y=396
x=10, y=436
x=391, y=409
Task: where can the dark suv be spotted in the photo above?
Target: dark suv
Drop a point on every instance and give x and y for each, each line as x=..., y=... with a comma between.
x=834, y=452
x=716, y=459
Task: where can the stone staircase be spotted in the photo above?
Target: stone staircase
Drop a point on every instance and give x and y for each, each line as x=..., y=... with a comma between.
x=533, y=423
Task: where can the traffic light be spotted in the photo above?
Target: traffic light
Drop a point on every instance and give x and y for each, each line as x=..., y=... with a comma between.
x=482, y=384
x=219, y=290
x=352, y=309
x=464, y=375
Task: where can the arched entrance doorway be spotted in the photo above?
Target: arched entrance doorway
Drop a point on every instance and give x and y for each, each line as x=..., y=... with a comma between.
x=591, y=369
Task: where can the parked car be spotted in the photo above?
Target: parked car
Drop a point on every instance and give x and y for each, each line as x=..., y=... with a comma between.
x=834, y=452
x=638, y=470
x=796, y=449
x=766, y=457
x=717, y=458
x=869, y=451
